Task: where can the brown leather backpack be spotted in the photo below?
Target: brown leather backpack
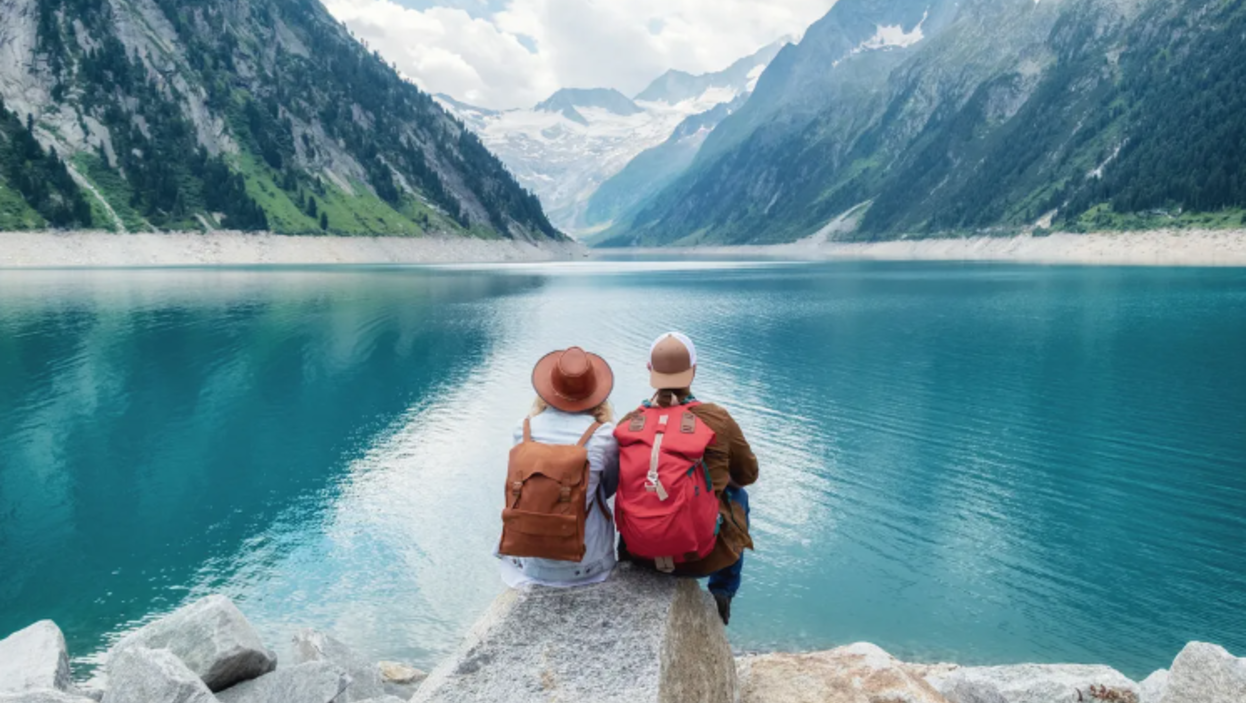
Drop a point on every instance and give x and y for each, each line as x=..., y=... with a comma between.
x=546, y=487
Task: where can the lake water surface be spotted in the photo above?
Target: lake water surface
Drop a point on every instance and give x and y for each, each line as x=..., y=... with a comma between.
x=986, y=464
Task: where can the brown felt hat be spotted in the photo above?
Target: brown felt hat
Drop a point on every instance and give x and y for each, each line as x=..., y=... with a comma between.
x=573, y=380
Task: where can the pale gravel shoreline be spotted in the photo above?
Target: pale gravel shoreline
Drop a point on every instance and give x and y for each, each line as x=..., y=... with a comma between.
x=1146, y=248
x=104, y=249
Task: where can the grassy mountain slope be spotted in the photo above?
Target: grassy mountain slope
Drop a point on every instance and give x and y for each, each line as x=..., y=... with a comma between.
x=247, y=114
x=1094, y=113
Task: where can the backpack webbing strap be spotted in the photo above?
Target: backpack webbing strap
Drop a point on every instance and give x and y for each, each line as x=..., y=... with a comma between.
x=588, y=434
x=605, y=508
x=652, y=482
x=527, y=429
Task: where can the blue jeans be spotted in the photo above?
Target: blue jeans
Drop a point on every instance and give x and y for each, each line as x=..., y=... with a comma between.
x=727, y=580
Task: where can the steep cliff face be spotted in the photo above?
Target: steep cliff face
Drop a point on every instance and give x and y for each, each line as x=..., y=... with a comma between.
x=1000, y=115
x=246, y=114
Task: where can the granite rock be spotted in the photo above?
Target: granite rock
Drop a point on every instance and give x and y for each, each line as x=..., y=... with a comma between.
x=400, y=680
x=401, y=690
x=141, y=675
x=93, y=691
x=393, y=672
x=313, y=646
x=1029, y=683
x=310, y=682
x=34, y=658
x=858, y=673
x=212, y=638
x=636, y=638
x=41, y=695
x=1206, y=673
x=1153, y=687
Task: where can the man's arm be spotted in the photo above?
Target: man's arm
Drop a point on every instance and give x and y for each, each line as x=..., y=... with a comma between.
x=743, y=465
x=730, y=458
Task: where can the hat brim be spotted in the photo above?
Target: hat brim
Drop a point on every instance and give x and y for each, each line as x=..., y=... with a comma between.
x=673, y=381
x=543, y=383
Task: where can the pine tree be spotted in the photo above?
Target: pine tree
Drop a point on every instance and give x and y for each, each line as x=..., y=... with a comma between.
x=324, y=221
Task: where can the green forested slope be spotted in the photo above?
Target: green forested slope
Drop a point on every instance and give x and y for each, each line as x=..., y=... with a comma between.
x=251, y=114
x=36, y=189
x=1096, y=113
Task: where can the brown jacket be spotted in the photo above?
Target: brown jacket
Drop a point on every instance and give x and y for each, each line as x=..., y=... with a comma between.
x=730, y=460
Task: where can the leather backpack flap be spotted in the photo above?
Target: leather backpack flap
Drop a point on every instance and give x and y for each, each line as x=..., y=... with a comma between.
x=545, y=507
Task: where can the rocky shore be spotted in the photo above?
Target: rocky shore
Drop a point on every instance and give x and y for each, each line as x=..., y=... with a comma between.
x=206, y=652
x=638, y=637
x=81, y=249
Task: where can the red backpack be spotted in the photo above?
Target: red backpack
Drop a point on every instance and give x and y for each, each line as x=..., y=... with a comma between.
x=665, y=508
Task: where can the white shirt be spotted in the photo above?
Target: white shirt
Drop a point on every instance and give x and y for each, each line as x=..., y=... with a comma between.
x=557, y=427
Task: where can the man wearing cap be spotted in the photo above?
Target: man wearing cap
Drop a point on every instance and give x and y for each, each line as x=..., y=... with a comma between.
x=730, y=460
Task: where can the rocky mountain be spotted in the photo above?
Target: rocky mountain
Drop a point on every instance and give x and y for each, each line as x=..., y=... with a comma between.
x=565, y=147
x=674, y=86
x=242, y=114
x=655, y=168
x=908, y=117
x=566, y=101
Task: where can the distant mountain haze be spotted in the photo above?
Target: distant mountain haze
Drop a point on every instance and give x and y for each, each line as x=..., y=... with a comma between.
x=917, y=117
x=676, y=86
x=264, y=114
x=567, y=100
x=655, y=168
x=568, y=145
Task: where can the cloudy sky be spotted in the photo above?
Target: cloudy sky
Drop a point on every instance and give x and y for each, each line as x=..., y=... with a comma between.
x=514, y=53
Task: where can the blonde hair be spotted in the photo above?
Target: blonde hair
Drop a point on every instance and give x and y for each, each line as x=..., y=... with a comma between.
x=603, y=413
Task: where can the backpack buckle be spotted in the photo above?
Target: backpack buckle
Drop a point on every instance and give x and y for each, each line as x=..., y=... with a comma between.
x=516, y=487
x=564, y=495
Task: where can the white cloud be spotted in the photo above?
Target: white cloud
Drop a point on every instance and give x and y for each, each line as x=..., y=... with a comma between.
x=489, y=59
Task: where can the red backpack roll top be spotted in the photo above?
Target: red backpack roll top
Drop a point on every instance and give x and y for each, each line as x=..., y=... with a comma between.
x=666, y=509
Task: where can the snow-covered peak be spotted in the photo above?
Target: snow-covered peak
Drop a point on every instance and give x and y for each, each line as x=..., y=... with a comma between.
x=893, y=36
x=566, y=146
x=677, y=86
x=570, y=100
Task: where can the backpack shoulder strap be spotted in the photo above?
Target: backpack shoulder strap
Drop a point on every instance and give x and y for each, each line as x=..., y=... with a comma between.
x=527, y=429
x=605, y=508
x=588, y=434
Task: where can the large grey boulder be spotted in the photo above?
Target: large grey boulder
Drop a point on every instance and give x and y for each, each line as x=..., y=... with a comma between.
x=34, y=658
x=313, y=646
x=42, y=695
x=141, y=675
x=1029, y=683
x=310, y=682
x=858, y=673
x=212, y=638
x=1206, y=673
x=1153, y=687
x=636, y=638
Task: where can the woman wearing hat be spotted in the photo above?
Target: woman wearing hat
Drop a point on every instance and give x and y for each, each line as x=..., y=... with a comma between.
x=572, y=388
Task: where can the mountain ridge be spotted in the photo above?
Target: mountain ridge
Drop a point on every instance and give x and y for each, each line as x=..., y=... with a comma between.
x=256, y=115
x=1004, y=117
x=569, y=144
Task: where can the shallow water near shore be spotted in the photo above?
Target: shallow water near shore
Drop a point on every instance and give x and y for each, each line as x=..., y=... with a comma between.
x=982, y=463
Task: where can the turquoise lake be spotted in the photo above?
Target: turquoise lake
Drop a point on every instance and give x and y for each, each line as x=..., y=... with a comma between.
x=976, y=463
